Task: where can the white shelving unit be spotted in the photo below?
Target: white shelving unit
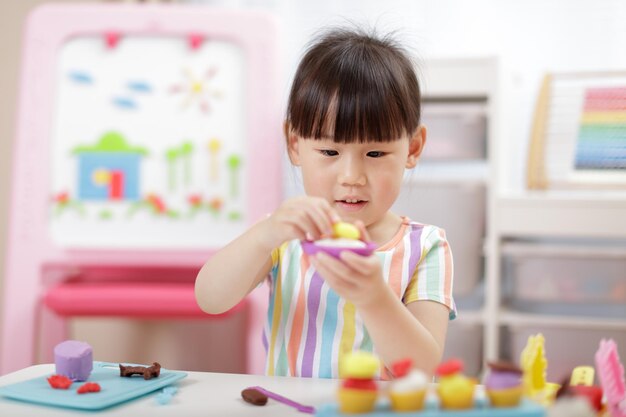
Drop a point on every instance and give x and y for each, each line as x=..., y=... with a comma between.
x=568, y=224
x=574, y=216
x=561, y=214
x=508, y=317
x=572, y=221
x=456, y=185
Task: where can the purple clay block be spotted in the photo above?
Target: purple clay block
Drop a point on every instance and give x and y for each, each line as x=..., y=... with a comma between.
x=73, y=359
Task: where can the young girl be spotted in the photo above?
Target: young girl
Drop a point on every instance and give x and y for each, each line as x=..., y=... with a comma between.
x=353, y=127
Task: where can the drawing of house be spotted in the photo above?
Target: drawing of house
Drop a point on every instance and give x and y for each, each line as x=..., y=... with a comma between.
x=109, y=170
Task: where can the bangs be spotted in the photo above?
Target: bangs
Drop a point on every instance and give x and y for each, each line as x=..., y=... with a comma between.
x=354, y=88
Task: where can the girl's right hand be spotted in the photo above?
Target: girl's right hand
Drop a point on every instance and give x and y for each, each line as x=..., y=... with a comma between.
x=299, y=218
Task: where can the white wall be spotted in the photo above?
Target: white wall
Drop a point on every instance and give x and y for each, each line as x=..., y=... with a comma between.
x=531, y=37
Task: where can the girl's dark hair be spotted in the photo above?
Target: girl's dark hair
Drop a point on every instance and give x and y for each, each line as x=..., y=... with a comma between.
x=354, y=87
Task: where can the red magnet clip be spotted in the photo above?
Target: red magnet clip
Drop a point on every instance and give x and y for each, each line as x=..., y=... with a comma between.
x=195, y=40
x=111, y=38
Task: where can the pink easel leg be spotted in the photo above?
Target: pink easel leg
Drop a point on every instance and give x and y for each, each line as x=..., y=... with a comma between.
x=53, y=329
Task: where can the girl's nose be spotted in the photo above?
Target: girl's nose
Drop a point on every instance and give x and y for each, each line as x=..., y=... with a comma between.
x=352, y=172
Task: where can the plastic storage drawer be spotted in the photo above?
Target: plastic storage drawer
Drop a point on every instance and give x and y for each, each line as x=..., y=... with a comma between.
x=566, y=285
x=456, y=131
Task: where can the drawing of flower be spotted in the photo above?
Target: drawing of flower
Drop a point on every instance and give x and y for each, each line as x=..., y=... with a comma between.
x=196, y=90
x=195, y=200
x=155, y=204
x=62, y=201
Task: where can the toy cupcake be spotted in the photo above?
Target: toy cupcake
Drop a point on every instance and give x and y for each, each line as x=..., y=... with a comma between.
x=455, y=390
x=580, y=386
x=346, y=236
x=504, y=385
x=358, y=391
x=408, y=390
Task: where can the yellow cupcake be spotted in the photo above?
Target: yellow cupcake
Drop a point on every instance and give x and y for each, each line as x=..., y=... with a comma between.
x=407, y=401
x=408, y=390
x=456, y=393
x=508, y=397
x=455, y=390
x=356, y=401
x=358, y=391
x=503, y=385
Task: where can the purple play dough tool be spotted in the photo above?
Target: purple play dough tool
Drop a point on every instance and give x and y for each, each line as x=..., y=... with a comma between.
x=311, y=248
x=300, y=407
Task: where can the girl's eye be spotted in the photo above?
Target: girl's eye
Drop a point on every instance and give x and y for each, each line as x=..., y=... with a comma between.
x=375, y=154
x=328, y=152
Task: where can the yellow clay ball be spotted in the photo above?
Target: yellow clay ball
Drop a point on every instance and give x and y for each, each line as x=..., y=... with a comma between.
x=346, y=231
x=359, y=364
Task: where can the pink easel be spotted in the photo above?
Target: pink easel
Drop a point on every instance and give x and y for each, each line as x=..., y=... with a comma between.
x=45, y=283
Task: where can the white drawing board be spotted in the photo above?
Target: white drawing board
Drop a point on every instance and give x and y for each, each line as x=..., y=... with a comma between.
x=148, y=143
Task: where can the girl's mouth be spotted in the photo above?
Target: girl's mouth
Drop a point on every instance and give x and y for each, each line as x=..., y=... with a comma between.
x=351, y=205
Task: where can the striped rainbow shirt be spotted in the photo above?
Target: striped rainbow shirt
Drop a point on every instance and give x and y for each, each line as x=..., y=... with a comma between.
x=309, y=326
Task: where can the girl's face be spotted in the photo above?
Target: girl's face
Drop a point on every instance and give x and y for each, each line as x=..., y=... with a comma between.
x=360, y=180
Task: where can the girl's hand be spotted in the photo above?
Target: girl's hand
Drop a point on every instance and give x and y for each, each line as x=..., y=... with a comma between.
x=358, y=279
x=299, y=218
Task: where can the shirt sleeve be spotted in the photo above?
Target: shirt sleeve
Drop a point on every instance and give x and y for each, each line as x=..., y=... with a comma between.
x=271, y=276
x=275, y=256
x=433, y=276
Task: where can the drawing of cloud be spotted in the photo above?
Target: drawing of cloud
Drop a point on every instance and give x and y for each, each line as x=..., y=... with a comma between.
x=124, y=103
x=139, y=86
x=80, y=77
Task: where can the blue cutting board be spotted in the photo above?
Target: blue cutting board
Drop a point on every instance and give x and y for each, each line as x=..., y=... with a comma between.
x=114, y=389
x=525, y=409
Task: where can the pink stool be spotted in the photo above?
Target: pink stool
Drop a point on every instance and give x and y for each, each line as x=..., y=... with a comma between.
x=147, y=300
x=171, y=300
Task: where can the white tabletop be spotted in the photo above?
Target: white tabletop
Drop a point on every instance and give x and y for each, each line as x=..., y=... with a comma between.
x=199, y=394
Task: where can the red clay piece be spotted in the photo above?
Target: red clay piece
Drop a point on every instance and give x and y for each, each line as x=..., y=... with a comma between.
x=450, y=367
x=59, y=382
x=362, y=384
x=88, y=387
x=401, y=368
x=593, y=394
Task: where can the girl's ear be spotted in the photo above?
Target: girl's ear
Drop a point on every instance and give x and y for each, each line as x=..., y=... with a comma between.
x=292, y=145
x=416, y=145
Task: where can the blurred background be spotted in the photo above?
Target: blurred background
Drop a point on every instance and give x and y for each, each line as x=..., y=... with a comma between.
x=545, y=255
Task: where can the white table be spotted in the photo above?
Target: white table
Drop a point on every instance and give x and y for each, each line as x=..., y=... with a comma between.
x=199, y=394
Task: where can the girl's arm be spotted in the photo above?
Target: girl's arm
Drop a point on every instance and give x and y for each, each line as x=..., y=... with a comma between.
x=232, y=272
x=416, y=331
